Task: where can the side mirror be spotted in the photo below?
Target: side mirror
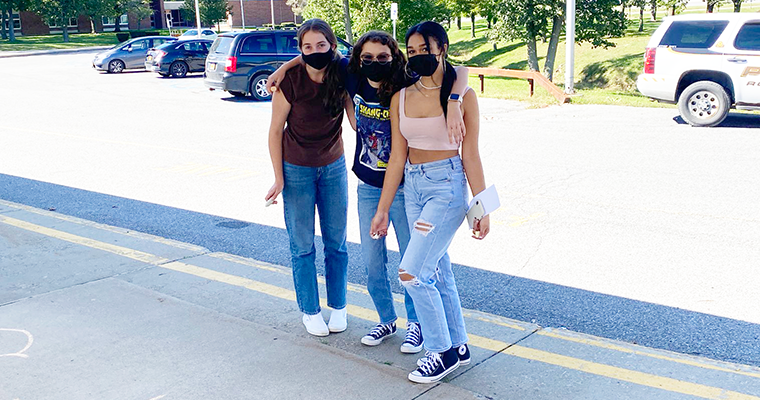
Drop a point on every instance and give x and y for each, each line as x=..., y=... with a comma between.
x=128, y=48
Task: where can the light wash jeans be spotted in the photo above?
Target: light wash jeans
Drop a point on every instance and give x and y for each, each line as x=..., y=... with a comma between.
x=436, y=204
x=375, y=254
x=325, y=188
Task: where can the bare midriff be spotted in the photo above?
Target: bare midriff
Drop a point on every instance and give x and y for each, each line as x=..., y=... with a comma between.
x=417, y=156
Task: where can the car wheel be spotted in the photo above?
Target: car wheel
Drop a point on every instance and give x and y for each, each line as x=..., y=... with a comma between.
x=178, y=69
x=259, y=88
x=704, y=103
x=116, y=66
x=237, y=94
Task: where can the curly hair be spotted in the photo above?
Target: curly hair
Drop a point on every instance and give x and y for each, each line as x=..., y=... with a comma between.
x=397, y=79
x=332, y=91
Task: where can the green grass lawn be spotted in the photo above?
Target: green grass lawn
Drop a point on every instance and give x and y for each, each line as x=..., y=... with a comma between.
x=601, y=76
x=50, y=42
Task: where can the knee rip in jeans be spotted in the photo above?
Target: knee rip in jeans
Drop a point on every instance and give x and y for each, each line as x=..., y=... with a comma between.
x=423, y=227
x=407, y=279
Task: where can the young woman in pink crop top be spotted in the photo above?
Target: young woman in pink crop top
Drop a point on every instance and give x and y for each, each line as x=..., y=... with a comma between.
x=435, y=194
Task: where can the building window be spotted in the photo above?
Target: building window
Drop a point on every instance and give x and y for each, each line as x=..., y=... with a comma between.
x=112, y=21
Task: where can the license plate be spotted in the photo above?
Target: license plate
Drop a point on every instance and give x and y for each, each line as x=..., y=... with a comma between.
x=212, y=66
x=150, y=58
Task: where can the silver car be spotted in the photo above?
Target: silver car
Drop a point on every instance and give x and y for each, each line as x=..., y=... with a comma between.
x=128, y=55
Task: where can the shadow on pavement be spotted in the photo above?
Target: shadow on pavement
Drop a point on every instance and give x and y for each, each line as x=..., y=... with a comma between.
x=733, y=120
x=546, y=304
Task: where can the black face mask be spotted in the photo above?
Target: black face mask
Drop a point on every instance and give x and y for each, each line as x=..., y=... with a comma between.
x=423, y=64
x=318, y=60
x=375, y=71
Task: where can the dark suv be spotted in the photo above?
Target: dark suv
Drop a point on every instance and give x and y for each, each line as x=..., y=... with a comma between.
x=240, y=62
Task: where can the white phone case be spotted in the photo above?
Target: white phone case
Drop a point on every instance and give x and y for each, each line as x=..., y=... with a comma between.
x=476, y=211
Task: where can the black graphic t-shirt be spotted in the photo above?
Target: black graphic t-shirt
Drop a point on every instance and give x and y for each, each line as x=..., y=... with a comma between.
x=373, y=131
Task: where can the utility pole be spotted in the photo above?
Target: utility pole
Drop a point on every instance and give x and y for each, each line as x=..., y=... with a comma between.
x=271, y=4
x=394, y=17
x=570, y=47
x=198, y=19
x=242, y=13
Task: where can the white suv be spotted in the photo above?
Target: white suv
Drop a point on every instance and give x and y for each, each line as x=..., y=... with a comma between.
x=707, y=63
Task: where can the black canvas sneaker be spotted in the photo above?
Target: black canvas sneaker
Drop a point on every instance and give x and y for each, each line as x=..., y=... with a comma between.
x=435, y=366
x=379, y=333
x=413, y=340
x=463, y=352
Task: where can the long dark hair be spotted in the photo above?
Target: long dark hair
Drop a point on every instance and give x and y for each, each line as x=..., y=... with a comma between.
x=332, y=91
x=397, y=79
x=433, y=30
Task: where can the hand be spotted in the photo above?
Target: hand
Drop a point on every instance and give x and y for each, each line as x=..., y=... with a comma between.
x=481, y=227
x=455, y=122
x=274, y=80
x=274, y=191
x=379, y=226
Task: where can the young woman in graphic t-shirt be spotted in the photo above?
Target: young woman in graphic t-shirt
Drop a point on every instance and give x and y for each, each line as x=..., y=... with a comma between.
x=306, y=149
x=435, y=178
x=377, y=70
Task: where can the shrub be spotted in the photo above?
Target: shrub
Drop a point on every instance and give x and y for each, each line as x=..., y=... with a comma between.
x=122, y=36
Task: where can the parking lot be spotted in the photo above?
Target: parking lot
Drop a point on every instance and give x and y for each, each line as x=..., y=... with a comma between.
x=615, y=221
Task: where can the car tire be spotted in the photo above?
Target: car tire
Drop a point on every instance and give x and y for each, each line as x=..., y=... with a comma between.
x=237, y=94
x=116, y=66
x=178, y=69
x=258, y=88
x=704, y=103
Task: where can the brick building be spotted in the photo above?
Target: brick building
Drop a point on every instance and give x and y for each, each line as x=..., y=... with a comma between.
x=257, y=13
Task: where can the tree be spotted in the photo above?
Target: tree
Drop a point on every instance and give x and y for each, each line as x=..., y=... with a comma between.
x=58, y=12
x=737, y=5
x=347, y=21
x=640, y=4
x=212, y=11
x=9, y=6
x=675, y=6
x=95, y=9
x=527, y=20
x=141, y=9
x=711, y=4
x=653, y=9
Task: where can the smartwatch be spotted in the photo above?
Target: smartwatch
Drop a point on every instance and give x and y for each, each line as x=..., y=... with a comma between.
x=455, y=97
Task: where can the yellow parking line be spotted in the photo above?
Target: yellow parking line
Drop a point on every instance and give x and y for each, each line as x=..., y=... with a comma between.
x=577, y=364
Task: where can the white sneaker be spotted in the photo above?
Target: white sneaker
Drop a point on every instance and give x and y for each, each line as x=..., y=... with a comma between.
x=315, y=325
x=338, y=320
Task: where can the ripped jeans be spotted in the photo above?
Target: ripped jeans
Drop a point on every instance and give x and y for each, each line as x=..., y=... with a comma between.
x=436, y=203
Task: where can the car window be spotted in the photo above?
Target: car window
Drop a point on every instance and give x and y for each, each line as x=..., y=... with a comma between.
x=342, y=48
x=190, y=32
x=165, y=45
x=222, y=45
x=159, y=42
x=208, y=32
x=287, y=43
x=748, y=37
x=693, y=34
x=139, y=45
x=259, y=44
x=192, y=46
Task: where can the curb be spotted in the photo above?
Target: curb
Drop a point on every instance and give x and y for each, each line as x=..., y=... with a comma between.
x=29, y=53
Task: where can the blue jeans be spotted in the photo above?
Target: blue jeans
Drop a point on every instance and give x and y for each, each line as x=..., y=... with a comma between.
x=436, y=204
x=325, y=188
x=375, y=254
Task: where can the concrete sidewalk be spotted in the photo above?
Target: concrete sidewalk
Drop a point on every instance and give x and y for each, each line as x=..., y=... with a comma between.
x=89, y=311
x=29, y=53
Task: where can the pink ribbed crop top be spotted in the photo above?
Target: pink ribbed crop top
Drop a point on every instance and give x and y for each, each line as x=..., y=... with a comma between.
x=425, y=133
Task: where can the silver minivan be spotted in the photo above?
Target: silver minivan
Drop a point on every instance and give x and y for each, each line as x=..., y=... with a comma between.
x=128, y=55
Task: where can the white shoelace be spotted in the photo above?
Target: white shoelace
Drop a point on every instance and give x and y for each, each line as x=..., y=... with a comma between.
x=412, y=334
x=380, y=330
x=431, y=362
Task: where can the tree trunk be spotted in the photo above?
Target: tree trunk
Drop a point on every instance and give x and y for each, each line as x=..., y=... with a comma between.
x=641, y=19
x=347, y=18
x=472, y=22
x=117, y=24
x=11, y=28
x=459, y=22
x=532, y=54
x=489, y=23
x=673, y=10
x=737, y=6
x=653, y=9
x=551, y=52
x=3, y=35
x=710, y=7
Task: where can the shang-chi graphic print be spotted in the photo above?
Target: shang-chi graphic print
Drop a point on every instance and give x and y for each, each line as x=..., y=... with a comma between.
x=374, y=130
